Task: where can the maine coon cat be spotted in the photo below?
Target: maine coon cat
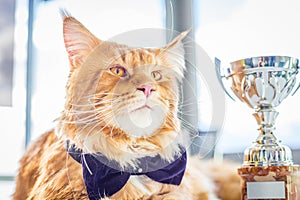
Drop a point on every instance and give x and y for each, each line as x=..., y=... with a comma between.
x=119, y=136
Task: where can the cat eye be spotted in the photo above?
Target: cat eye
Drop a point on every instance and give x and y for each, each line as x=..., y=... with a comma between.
x=119, y=71
x=156, y=75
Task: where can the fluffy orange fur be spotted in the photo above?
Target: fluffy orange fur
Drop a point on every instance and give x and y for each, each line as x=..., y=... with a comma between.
x=104, y=112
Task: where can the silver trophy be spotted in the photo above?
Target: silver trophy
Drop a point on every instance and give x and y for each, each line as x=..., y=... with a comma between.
x=263, y=83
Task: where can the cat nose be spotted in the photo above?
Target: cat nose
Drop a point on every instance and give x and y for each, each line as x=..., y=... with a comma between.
x=147, y=89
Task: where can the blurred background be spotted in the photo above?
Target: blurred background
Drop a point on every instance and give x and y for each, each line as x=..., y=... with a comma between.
x=34, y=65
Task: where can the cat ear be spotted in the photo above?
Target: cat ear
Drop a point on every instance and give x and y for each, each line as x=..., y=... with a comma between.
x=177, y=42
x=173, y=53
x=79, y=41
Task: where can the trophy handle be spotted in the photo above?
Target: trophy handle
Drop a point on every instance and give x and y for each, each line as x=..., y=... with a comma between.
x=221, y=76
x=297, y=70
x=296, y=89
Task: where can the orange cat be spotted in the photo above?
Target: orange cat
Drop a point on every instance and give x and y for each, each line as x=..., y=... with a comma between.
x=119, y=136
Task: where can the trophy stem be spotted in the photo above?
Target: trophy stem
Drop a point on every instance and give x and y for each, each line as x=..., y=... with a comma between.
x=265, y=117
x=267, y=150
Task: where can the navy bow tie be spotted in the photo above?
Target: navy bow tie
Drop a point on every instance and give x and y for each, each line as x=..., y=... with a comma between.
x=103, y=177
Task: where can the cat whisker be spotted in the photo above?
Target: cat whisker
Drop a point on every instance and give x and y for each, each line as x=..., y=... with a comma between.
x=87, y=119
x=105, y=93
x=88, y=168
x=188, y=109
x=89, y=104
x=78, y=112
x=98, y=100
x=96, y=108
x=94, y=104
x=187, y=114
x=95, y=115
x=111, y=131
x=79, y=115
x=88, y=134
x=188, y=126
x=91, y=118
x=98, y=94
x=192, y=102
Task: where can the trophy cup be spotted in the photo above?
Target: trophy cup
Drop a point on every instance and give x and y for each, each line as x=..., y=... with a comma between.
x=268, y=171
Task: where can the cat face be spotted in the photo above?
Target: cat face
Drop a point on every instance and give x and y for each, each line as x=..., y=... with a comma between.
x=125, y=94
x=136, y=92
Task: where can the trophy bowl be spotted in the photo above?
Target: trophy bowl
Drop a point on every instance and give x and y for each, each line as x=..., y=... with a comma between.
x=260, y=81
x=263, y=83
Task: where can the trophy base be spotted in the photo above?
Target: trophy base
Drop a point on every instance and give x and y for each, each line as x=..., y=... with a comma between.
x=269, y=182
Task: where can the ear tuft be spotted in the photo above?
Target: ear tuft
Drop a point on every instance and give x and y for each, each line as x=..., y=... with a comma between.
x=177, y=40
x=79, y=41
x=64, y=13
x=173, y=53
